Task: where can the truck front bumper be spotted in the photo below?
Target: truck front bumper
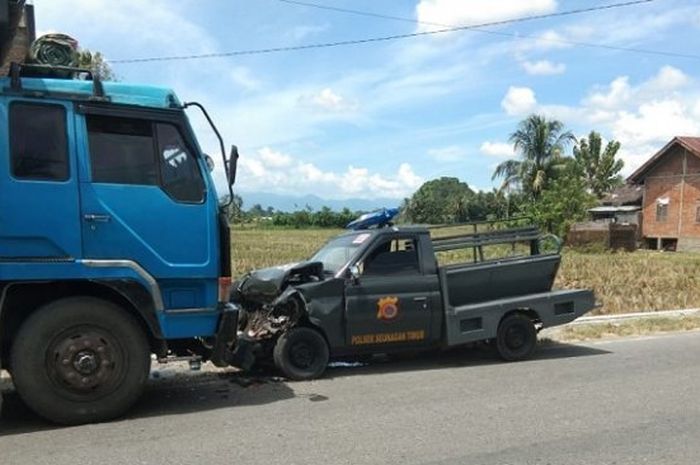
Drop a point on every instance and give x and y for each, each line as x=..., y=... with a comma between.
x=226, y=335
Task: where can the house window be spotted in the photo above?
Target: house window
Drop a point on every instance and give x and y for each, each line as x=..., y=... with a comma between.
x=662, y=210
x=697, y=213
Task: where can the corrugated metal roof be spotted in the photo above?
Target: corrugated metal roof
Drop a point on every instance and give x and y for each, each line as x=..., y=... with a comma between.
x=613, y=209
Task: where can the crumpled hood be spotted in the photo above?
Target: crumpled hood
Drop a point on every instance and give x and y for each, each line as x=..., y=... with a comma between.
x=265, y=284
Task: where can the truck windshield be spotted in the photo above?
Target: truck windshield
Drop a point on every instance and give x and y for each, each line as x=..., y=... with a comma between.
x=337, y=252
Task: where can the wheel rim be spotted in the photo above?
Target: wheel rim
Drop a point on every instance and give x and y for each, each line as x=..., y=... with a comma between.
x=302, y=355
x=516, y=337
x=85, y=362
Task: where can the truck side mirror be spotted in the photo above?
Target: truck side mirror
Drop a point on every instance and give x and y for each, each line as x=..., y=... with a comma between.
x=354, y=272
x=232, y=165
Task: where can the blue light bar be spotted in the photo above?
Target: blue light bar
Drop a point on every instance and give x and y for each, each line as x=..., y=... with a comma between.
x=377, y=219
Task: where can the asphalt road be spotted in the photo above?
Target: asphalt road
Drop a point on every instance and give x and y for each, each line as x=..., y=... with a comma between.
x=620, y=402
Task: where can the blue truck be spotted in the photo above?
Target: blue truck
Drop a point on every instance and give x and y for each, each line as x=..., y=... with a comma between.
x=114, y=244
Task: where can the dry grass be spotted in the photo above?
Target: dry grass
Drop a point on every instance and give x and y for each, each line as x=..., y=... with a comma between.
x=624, y=282
x=635, y=282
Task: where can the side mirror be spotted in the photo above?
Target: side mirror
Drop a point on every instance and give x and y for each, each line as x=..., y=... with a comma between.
x=232, y=165
x=210, y=162
x=354, y=272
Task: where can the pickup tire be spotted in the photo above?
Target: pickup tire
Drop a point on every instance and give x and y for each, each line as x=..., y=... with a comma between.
x=80, y=360
x=516, y=338
x=301, y=354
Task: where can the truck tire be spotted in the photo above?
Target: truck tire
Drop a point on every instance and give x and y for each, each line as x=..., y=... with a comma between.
x=516, y=338
x=301, y=354
x=80, y=360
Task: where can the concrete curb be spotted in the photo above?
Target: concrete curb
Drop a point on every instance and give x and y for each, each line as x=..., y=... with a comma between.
x=602, y=319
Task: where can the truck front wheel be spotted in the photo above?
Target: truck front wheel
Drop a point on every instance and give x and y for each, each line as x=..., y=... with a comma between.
x=301, y=354
x=80, y=360
x=517, y=337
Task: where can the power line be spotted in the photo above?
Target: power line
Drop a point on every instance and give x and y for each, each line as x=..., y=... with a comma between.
x=378, y=39
x=499, y=33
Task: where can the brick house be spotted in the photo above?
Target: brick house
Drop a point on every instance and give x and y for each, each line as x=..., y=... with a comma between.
x=671, y=196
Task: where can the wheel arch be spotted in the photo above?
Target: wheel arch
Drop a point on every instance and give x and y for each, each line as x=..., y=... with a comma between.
x=18, y=300
x=528, y=312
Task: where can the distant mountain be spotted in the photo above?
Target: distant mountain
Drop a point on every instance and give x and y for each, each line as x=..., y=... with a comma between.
x=289, y=203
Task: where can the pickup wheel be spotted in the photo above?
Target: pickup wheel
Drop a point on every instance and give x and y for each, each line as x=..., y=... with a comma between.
x=80, y=360
x=301, y=354
x=516, y=338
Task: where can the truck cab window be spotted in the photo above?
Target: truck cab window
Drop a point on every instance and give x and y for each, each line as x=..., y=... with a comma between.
x=122, y=150
x=393, y=256
x=180, y=174
x=38, y=142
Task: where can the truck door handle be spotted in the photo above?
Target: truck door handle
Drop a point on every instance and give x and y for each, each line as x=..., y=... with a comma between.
x=96, y=218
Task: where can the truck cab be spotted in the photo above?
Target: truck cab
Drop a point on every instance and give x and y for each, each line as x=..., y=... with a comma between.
x=109, y=217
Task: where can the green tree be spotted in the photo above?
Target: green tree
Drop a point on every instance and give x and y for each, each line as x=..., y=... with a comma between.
x=601, y=170
x=564, y=202
x=234, y=212
x=442, y=200
x=540, y=144
x=95, y=62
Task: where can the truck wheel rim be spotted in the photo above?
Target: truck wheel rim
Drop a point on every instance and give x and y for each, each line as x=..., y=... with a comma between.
x=302, y=355
x=515, y=338
x=85, y=362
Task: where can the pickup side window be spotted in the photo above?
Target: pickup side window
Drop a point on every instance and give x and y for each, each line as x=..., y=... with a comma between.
x=38, y=142
x=393, y=256
x=180, y=175
x=122, y=150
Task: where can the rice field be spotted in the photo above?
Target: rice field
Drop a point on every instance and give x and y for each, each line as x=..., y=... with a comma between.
x=624, y=282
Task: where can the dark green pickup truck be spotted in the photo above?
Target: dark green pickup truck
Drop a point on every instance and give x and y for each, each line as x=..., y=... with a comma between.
x=386, y=290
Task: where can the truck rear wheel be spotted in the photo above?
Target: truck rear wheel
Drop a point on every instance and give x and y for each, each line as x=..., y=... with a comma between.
x=301, y=354
x=516, y=338
x=80, y=360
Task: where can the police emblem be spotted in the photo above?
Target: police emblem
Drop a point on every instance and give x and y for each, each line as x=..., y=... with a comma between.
x=387, y=308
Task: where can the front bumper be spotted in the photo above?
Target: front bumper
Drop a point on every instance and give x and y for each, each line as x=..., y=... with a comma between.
x=226, y=335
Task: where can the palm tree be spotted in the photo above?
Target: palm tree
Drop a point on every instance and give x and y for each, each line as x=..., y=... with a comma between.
x=600, y=170
x=540, y=143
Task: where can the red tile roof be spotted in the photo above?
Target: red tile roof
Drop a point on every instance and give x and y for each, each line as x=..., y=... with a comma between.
x=692, y=144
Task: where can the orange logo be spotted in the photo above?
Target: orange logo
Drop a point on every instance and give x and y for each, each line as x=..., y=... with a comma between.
x=387, y=308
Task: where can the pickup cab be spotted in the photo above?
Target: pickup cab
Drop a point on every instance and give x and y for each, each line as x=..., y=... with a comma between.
x=386, y=289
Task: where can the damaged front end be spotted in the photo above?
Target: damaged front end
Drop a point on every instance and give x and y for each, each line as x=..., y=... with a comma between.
x=271, y=304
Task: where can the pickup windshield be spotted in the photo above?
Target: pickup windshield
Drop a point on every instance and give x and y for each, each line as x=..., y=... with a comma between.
x=337, y=252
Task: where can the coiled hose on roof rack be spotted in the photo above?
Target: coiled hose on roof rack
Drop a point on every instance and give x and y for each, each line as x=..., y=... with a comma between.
x=55, y=50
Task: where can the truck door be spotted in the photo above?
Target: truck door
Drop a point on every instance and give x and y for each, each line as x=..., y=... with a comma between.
x=390, y=304
x=39, y=205
x=144, y=199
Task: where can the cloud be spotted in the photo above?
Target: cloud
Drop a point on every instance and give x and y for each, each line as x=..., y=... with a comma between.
x=543, y=67
x=299, y=33
x=269, y=170
x=642, y=116
x=243, y=77
x=497, y=149
x=328, y=100
x=459, y=12
x=519, y=100
x=447, y=154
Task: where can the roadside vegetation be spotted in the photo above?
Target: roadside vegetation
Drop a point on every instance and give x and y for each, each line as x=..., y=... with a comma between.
x=625, y=281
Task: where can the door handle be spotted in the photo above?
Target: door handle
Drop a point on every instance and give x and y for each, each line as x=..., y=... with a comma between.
x=96, y=218
x=423, y=301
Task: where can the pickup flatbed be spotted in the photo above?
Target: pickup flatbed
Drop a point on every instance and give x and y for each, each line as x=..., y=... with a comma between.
x=393, y=289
